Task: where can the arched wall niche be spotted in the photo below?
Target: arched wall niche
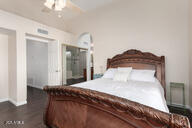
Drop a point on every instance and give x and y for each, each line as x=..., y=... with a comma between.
x=85, y=40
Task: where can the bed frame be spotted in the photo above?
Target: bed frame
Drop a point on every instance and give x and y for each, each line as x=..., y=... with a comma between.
x=72, y=107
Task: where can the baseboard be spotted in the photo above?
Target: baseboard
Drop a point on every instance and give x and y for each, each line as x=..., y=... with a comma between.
x=4, y=100
x=13, y=102
x=35, y=86
x=17, y=103
x=21, y=103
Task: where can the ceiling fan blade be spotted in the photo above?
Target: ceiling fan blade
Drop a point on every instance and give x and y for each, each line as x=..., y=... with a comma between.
x=74, y=7
x=46, y=10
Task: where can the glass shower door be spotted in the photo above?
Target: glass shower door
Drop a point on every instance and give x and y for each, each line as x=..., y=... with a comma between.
x=76, y=60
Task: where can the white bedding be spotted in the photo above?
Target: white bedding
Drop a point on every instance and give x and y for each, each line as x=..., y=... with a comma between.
x=146, y=93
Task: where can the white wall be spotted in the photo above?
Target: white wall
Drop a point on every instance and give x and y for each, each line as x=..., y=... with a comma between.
x=4, y=93
x=12, y=67
x=160, y=27
x=37, y=63
x=22, y=26
x=190, y=50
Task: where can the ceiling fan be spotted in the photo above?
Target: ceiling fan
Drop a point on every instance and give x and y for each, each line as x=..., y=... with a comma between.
x=59, y=5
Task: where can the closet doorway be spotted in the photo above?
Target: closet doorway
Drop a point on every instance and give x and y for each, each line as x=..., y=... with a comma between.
x=74, y=64
x=43, y=64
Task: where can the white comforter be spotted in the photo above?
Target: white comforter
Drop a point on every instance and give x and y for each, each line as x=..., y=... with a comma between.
x=146, y=93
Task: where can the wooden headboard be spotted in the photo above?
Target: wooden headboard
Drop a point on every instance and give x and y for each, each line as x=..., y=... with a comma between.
x=140, y=60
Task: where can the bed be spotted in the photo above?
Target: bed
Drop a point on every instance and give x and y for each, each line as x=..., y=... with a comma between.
x=137, y=91
x=103, y=103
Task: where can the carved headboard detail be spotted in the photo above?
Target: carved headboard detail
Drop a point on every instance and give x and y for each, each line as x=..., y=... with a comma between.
x=140, y=60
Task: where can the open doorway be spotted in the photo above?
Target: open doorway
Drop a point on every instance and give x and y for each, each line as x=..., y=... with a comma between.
x=8, y=72
x=37, y=63
x=85, y=40
x=74, y=64
x=43, y=63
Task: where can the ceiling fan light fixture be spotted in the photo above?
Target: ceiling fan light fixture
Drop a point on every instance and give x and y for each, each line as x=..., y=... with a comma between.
x=59, y=5
x=58, y=8
x=49, y=3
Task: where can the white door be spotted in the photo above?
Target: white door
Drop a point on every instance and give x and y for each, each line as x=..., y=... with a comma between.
x=53, y=63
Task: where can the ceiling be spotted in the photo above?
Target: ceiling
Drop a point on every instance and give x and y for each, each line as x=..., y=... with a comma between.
x=32, y=9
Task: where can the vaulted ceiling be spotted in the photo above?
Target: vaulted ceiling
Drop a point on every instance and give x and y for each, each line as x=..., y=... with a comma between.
x=32, y=9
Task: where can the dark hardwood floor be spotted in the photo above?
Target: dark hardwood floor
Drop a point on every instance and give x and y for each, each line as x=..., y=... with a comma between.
x=75, y=81
x=181, y=111
x=32, y=112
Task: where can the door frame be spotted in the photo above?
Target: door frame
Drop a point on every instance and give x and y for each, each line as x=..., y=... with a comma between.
x=45, y=40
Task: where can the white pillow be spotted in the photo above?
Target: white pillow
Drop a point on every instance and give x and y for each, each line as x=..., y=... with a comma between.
x=142, y=75
x=110, y=73
x=124, y=69
x=121, y=76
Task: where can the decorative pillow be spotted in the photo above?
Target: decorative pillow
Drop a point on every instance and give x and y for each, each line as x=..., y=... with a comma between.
x=121, y=76
x=142, y=75
x=124, y=69
x=110, y=73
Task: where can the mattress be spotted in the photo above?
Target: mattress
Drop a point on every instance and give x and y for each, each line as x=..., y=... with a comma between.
x=147, y=93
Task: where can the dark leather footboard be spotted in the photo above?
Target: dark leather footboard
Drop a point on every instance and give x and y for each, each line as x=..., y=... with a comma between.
x=71, y=107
